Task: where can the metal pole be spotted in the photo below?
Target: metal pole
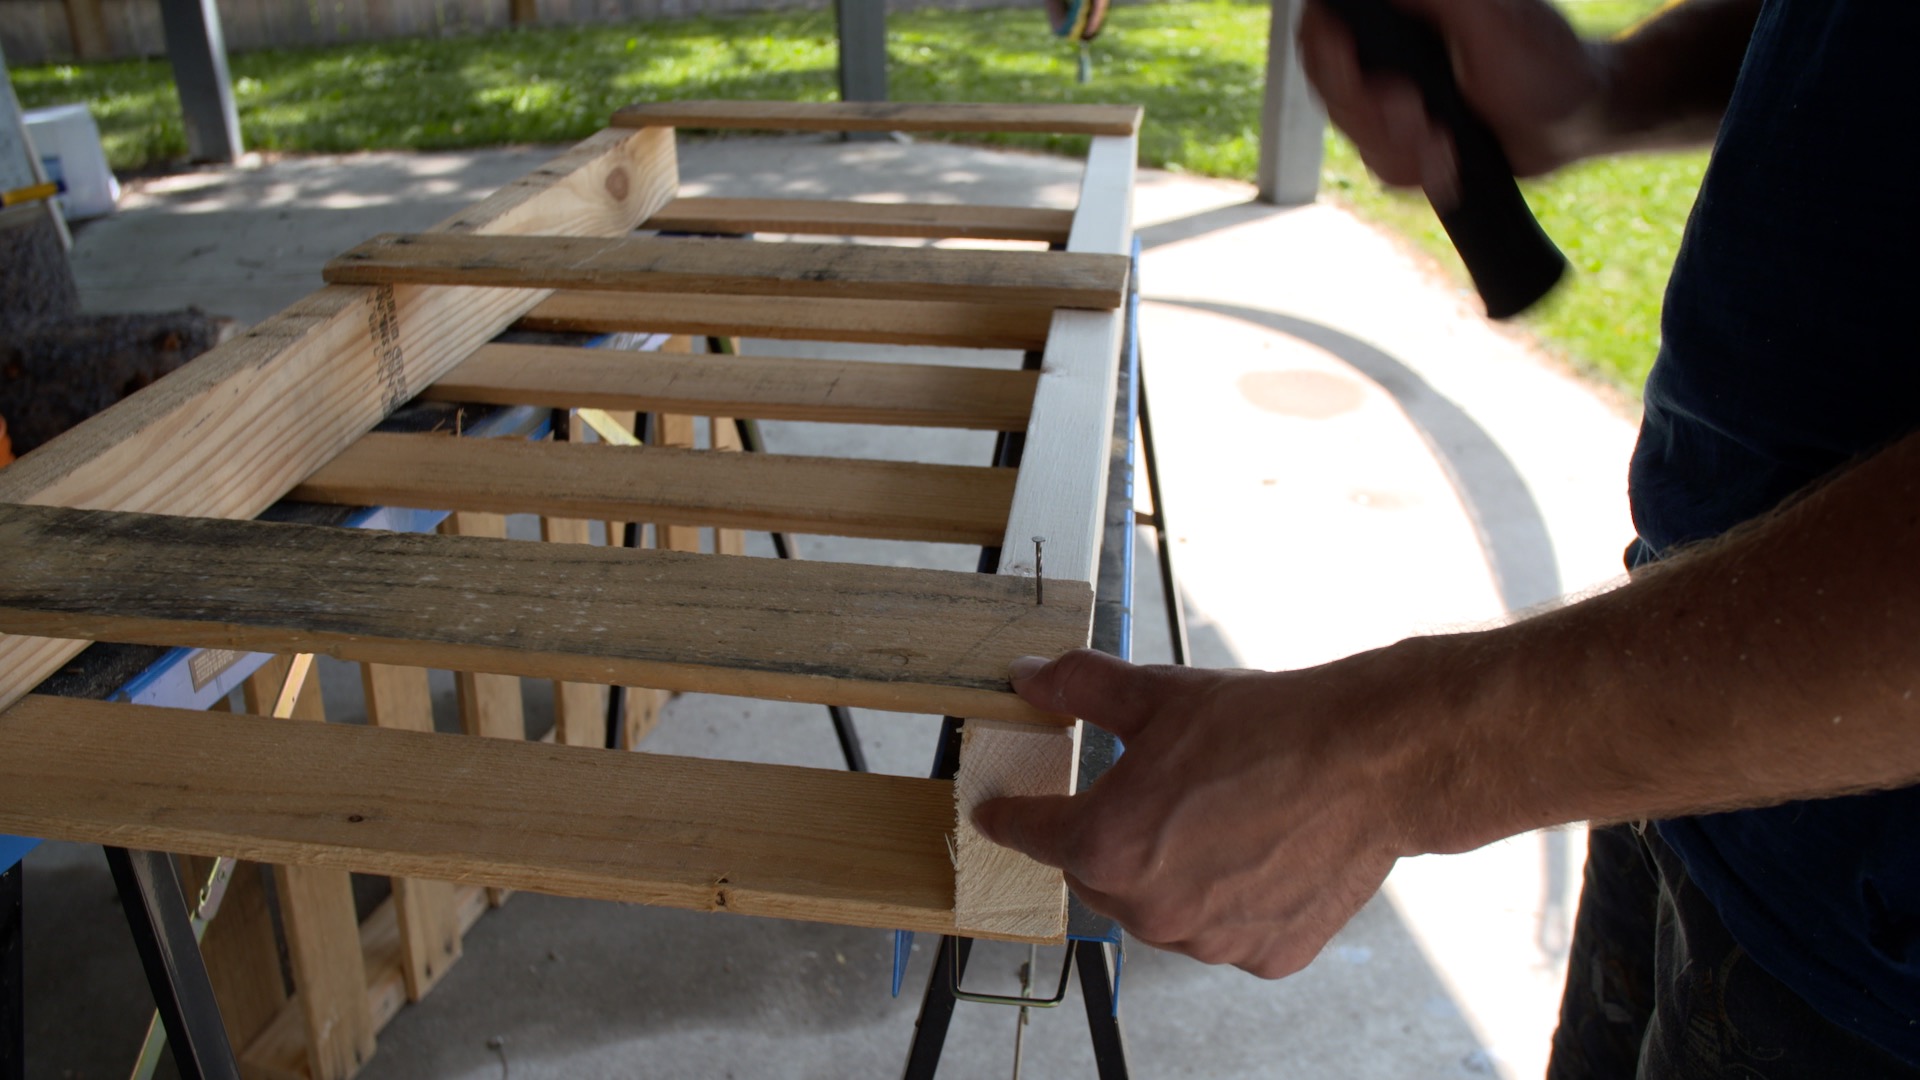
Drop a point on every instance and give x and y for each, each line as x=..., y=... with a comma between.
x=1292, y=121
x=198, y=53
x=863, y=49
x=163, y=934
x=13, y=975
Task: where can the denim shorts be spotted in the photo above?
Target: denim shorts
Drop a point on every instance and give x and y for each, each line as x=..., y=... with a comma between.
x=1657, y=989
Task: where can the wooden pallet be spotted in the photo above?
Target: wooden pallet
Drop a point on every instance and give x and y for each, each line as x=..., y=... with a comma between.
x=136, y=527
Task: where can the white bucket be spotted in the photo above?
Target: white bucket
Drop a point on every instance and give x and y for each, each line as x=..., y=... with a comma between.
x=68, y=142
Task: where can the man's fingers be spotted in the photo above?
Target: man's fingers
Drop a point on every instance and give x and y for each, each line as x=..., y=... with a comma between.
x=1102, y=690
x=1042, y=827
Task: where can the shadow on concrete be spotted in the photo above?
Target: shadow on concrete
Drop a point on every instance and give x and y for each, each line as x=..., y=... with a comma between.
x=1506, y=519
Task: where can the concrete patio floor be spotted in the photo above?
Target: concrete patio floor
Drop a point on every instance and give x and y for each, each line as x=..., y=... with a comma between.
x=1350, y=455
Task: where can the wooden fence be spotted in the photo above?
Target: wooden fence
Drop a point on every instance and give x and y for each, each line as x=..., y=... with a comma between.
x=48, y=31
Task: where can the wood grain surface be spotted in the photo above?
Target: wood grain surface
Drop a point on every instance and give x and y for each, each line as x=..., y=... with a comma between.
x=737, y=268
x=824, y=845
x=889, y=500
x=883, y=116
x=228, y=434
x=819, y=217
x=879, y=322
x=908, y=640
x=759, y=387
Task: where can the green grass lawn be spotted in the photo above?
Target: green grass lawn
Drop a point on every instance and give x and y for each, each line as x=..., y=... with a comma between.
x=1196, y=66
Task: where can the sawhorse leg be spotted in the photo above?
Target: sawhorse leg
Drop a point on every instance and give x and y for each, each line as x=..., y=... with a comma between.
x=163, y=934
x=13, y=975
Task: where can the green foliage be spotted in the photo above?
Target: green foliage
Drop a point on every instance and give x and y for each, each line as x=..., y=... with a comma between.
x=1197, y=66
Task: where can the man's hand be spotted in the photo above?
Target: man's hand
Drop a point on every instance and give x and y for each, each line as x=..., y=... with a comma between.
x=1250, y=817
x=1550, y=97
x=1519, y=64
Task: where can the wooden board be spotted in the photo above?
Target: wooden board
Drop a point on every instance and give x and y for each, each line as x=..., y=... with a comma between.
x=999, y=890
x=228, y=434
x=426, y=912
x=671, y=487
x=880, y=322
x=883, y=116
x=737, y=268
x=760, y=387
x=817, y=217
x=817, y=844
x=317, y=914
x=490, y=704
x=909, y=640
x=1061, y=496
x=579, y=709
x=280, y=1053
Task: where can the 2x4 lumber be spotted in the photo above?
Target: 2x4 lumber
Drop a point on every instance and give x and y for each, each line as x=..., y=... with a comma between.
x=761, y=387
x=228, y=434
x=317, y=914
x=878, y=322
x=817, y=844
x=675, y=430
x=241, y=948
x=242, y=953
x=808, y=271
x=883, y=116
x=489, y=703
x=579, y=709
x=819, y=217
x=1060, y=497
x=426, y=911
x=905, y=640
x=675, y=488
x=279, y=1051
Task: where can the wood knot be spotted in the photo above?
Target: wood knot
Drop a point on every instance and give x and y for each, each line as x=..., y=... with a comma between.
x=618, y=185
x=356, y=818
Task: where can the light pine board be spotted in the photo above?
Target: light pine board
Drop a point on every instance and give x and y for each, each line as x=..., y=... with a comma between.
x=816, y=844
x=1060, y=496
x=317, y=914
x=761, y=387
x=579, y=709
x=809, y=271
x=878, y=322
x=426, y=913
x=818, y=217
x=228, y=434
x=884, y=116
x=671, y=486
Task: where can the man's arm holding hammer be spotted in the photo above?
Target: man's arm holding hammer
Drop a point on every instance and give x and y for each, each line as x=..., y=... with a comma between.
x=1253, y=813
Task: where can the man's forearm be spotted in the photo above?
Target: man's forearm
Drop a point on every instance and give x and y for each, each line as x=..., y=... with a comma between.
x=1778, y=663
x=1668, y=79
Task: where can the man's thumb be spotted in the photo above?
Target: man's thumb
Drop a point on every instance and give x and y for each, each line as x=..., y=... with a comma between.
x=1041, y=827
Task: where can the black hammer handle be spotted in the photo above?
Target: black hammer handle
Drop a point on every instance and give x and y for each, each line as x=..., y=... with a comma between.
x=1512, y=261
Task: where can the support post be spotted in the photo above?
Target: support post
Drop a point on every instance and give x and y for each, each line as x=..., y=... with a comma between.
x=198, y=53
x=863, y=49
x=1292, y=121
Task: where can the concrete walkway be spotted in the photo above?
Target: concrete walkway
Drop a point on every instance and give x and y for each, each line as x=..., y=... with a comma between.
x=1351, y=455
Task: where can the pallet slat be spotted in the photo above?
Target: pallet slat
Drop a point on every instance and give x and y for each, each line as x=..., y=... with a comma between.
x=736, y=268
x=829, y=846
x=878, y=322
x=1061, y=496
x=819, y=217
x=761, y=387
x=908, y=640
x=889, y=500
x=883, y=116
x=229, y=433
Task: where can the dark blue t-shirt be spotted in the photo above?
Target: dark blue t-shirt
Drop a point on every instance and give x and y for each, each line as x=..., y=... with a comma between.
x=1789, y=350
